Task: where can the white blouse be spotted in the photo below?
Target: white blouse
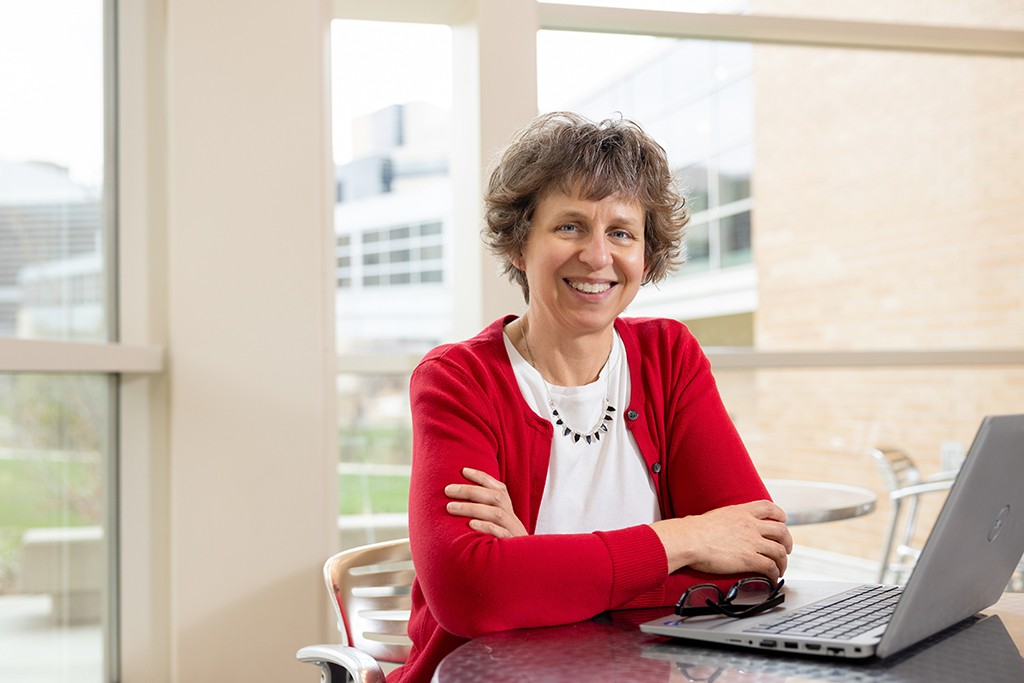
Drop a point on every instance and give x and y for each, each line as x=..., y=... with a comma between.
x=597, y=486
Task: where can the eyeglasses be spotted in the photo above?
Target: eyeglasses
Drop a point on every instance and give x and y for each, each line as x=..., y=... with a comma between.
x=746, y=598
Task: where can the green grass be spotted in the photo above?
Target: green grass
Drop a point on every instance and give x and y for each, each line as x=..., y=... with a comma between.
x=382, y=445
x=43, y=494
x=363, y=493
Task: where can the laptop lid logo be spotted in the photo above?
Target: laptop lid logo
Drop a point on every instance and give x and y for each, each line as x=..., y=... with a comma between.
x=998, y=526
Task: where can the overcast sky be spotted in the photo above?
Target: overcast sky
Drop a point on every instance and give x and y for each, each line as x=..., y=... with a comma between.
x=51, y=84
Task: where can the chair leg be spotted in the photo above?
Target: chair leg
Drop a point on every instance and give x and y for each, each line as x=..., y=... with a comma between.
x=890, y=538
x=332, y=673
x=909, y=524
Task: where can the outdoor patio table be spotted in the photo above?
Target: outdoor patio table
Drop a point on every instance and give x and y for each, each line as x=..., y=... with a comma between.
x=812, y=502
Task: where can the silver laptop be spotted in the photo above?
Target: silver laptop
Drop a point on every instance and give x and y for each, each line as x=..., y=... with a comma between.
x=964, y=567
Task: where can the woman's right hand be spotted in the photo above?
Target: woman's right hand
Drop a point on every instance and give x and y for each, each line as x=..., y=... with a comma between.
x=737, y=539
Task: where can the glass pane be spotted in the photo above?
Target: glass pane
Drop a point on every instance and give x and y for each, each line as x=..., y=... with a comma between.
x=54, y=447
x=375, y=458
x=734, y=171
x=53, y=282
x=694, y=180
x=976, y=14
x=735, y=115
x=392, y=112
x=698, y=249
x=735, y=236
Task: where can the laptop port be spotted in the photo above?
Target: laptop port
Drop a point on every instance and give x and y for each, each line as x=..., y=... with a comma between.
x=814, y=647
x=768, y=643
x=792, y=646
x=836, y=651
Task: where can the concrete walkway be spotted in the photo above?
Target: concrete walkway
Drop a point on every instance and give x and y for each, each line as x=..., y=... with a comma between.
x=34, y=649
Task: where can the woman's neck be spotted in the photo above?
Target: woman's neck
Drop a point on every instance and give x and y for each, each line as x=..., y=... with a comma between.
x=562, y=360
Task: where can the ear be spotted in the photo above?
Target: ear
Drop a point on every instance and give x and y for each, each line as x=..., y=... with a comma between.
x=517, y=261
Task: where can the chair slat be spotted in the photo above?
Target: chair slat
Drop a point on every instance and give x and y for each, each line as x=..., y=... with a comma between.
x=381, y=583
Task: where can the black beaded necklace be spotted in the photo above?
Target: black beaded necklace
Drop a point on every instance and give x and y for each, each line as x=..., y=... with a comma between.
x=591, y=435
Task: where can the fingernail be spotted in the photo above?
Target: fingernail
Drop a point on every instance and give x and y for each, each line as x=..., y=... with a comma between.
x=449, y=489
x=475, y=523
x=454, y=506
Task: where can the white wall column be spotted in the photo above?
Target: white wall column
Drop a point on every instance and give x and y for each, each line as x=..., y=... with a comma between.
x=495, y=61
x=251, y=336
x=143, y=446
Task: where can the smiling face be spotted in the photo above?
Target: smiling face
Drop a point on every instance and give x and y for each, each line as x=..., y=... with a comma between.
x=584, y=261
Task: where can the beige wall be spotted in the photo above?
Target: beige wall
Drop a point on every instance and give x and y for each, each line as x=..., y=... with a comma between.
x=250, y=340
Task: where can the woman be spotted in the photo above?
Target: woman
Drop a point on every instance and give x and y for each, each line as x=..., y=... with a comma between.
x=569, y=461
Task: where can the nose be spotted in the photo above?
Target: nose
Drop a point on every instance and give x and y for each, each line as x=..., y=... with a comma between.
x=594, y=251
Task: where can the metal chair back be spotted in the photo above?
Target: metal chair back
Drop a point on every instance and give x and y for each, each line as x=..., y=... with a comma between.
x=905, y=484
x=896, y=467
x=371, y=588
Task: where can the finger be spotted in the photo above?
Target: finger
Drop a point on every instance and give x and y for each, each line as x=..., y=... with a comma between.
x=762, y=564
x=486, y=518
x=476, y=494
x=778, y=532
x=766, y=509
x=490, y=528
x=483, y=479
x=778, y=556
x=485, y=513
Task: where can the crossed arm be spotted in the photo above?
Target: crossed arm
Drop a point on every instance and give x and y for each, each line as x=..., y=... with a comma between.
x=746, y=538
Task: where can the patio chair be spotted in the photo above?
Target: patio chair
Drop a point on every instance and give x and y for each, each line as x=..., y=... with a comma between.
x=905, y=485
x=370, y=588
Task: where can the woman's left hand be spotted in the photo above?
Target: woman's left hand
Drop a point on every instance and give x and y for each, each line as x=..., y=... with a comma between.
x=488, y=505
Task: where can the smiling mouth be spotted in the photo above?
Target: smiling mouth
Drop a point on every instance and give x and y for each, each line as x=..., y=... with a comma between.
x=588, y=287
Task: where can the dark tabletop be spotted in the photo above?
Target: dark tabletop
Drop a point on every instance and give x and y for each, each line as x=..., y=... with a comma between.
x=611, y=647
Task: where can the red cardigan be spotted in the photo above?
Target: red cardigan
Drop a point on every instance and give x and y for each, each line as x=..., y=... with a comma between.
x=468, y=411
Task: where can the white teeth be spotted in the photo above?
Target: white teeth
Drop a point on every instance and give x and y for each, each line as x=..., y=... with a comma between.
x=588, y=288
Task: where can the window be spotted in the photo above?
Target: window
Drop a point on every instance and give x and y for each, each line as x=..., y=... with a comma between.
x=399, y=256
x=57, y=458
x=394, y=288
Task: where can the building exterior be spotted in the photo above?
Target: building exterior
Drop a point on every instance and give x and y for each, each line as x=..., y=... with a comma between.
x=392, y=223
x=51, y=276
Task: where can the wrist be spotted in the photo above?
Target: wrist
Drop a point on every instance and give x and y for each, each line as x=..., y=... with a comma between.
x=674, y=539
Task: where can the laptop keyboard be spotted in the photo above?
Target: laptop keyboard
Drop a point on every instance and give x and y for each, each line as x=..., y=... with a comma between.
x=845, y=616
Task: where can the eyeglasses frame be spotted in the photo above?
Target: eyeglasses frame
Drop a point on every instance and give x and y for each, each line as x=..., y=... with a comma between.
x=724, y=606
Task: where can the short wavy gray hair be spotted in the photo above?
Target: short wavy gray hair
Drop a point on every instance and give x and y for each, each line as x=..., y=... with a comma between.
x=568, y=153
